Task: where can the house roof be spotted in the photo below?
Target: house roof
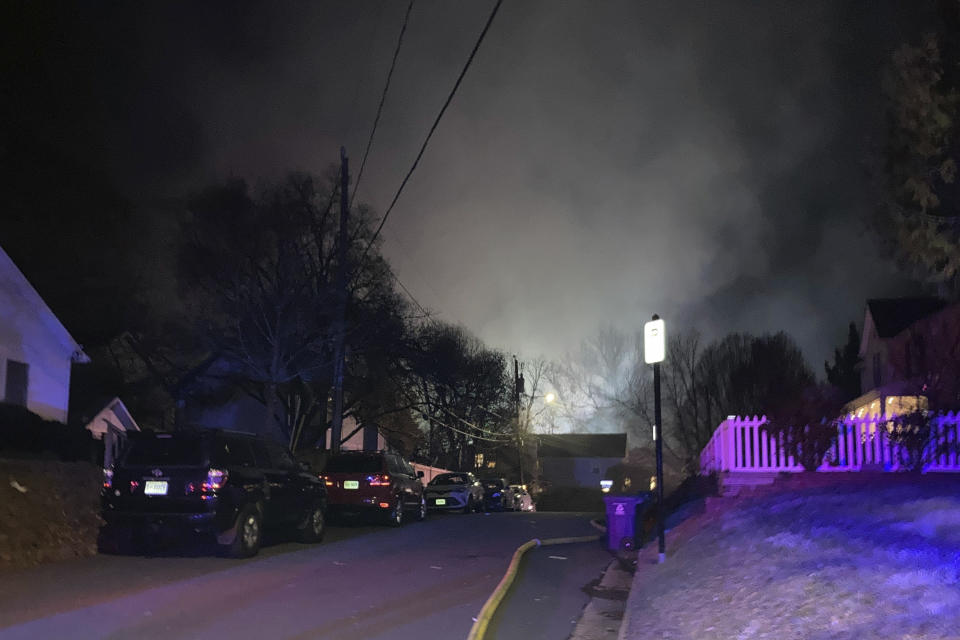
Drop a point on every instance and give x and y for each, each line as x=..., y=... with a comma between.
x=583, y=445
x=893, y=315
x=111, y=412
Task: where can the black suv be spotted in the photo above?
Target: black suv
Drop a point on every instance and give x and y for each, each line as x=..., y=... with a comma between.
x=229, y=484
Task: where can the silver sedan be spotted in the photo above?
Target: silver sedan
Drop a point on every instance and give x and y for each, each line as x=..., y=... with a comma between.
x=455, y=492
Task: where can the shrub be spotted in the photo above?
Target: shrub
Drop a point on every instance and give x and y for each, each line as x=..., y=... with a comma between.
x=24, y=434
x=809, y=423
x=571, y=499
x=920, y=438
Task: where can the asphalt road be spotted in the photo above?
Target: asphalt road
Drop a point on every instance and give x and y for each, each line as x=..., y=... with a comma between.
x=549, y=594
x=424, y=580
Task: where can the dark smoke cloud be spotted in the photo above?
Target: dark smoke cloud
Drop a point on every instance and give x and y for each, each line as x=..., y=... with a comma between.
x=602, y=161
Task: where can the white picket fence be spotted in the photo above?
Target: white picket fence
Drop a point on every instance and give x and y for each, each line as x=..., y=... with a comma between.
x=743, y=444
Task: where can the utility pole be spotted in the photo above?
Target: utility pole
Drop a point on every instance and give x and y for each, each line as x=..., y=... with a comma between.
x=517, y=390
x=339, y=329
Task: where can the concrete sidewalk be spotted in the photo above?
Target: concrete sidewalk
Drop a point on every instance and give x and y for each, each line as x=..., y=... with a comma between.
x=601, y=618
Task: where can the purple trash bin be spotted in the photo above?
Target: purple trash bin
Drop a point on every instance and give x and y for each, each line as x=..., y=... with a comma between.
x=621, y=521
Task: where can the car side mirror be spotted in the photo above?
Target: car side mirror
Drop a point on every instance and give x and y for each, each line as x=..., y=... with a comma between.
x=419, y=474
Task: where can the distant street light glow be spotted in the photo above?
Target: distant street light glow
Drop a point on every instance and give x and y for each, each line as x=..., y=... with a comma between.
x=550, y=397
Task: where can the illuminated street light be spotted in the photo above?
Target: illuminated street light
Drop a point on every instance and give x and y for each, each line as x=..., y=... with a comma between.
x=550, y=397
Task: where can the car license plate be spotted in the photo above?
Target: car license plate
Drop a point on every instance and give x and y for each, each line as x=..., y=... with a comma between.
x=155, y=488
x=351, y=484
x=441, y=502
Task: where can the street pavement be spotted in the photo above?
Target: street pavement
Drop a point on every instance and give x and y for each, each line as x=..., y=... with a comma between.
x=550, y=592
x=424, y=580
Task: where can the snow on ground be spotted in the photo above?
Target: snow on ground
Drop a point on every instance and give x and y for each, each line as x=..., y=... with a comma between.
x=854, y=556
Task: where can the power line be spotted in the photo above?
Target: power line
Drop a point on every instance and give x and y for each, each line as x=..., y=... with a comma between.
x=455, y=430
x=383, y=98
x=433, y=128
x=410, y=295
x=473, y=426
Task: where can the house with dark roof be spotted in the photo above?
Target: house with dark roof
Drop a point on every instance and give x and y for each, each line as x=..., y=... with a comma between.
x=900, y=337
x=578, y=459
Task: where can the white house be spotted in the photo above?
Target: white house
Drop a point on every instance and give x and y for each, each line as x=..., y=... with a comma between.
x=36, y=351
x=111, y=425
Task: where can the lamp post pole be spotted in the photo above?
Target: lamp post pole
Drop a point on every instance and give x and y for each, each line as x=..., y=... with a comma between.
x=658, y=436
x=654, y=351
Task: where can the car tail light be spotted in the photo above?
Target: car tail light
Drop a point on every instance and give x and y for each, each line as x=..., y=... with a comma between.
x=134, y=485
x=379, y=480
x=384, y=505
x=216, y=478
x=327, y=481
x=107, y=478
x=189, y=488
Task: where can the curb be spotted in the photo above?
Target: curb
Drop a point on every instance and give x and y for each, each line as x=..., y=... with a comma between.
x=489, y=608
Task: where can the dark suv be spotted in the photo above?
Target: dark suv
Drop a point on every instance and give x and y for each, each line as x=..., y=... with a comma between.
x=376, y=483
x=497, y=495
x=229, y=484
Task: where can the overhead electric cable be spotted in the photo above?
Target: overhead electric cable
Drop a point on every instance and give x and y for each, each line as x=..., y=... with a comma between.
x=383, y=98
x=473, y=426
x=433, y=127
x=426, y=313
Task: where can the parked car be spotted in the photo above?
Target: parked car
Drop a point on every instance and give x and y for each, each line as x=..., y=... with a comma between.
x=377, y=483
x=497, y=495
x=522, y=501
x=455, y=492
x=232, y=485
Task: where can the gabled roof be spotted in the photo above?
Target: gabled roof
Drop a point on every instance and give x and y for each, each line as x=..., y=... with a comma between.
x=893, y=315
x=112, y=412
x=583, y=445
x=13, y=279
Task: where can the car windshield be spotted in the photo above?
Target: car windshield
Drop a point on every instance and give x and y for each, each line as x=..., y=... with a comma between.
x=165, y=449
x=451, y=478
x=354, y=464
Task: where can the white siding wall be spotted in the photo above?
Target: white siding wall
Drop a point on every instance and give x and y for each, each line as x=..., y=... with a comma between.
x=30, y=333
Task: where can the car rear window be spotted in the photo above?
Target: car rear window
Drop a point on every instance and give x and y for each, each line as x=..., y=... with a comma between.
x=163, y=449
x=451, y=478
x=354, y=464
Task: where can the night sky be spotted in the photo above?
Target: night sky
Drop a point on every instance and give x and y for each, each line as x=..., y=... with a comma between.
x=708, y=161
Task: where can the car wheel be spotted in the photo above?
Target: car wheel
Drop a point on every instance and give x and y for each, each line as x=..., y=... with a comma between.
x=396, y=514
x=422, y=511
x=246, y=542
x=316, y=525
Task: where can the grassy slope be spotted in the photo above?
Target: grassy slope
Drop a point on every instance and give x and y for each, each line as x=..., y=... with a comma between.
x=57, y=518
x=851, y=556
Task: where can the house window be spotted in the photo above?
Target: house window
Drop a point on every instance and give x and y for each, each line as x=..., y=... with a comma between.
x=17, y=379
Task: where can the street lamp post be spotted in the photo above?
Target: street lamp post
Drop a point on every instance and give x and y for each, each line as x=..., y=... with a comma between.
x=654, y=351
